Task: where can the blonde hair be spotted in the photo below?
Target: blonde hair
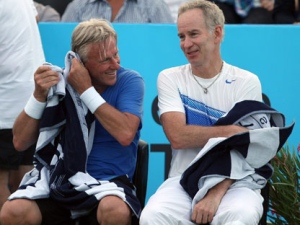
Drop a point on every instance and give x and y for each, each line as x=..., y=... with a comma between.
x=88, y=32
x=213, y=15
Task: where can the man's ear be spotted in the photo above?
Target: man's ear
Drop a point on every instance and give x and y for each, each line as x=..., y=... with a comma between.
x=218, y=32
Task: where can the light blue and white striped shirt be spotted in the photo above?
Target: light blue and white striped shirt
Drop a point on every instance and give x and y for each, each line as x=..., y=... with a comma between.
x=132, y=11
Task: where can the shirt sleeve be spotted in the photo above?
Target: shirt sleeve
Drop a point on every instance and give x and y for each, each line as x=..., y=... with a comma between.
x=131, y=95
x=168, y=94
x=71, y=12
x=160, y=12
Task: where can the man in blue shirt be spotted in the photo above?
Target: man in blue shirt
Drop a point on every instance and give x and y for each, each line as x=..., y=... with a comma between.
x=110, y=98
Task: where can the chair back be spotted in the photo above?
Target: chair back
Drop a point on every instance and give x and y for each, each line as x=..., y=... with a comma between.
x=140, y=177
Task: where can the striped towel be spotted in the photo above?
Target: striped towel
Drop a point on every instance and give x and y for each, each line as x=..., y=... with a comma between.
x=243, y=157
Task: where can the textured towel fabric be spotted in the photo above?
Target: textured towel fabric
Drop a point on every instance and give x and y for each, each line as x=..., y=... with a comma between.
x=64, y=143
x=243, y=157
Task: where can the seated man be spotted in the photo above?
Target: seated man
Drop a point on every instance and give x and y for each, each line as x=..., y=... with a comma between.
x=86, y=120
x=191, y=98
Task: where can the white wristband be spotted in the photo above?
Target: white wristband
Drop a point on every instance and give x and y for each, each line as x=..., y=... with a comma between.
x=34, y=108
x=92, y=99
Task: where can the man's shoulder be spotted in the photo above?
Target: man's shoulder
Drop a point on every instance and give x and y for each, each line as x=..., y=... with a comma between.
x=125, y=71
x=127, y=76
x=175, y=70
x=238, y=71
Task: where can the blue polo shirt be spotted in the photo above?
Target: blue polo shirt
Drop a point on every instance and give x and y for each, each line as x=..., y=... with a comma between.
x=108, y=158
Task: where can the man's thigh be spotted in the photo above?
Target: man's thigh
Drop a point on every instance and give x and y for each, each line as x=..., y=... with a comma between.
x=169, y=205
x=237, y=205
x=15, y=176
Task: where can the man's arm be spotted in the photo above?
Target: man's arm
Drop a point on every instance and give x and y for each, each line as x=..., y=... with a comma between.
x=121, y=125
x=70, y=13
x=206, y=208
x=183, y=136
x=25, y=129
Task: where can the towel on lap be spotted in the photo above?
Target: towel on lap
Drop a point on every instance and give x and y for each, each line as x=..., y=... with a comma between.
x=243, y=157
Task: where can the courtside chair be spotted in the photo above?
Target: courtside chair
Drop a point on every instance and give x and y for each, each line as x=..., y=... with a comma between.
x=140, y=177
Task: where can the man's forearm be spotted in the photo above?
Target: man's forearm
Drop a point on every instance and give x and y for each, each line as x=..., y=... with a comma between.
x=220, y=189
x=25, y=131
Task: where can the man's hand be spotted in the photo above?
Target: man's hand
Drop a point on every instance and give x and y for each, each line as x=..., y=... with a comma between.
x=205, y=210
x=267, y=4
x=79, y=77
x=44, y=79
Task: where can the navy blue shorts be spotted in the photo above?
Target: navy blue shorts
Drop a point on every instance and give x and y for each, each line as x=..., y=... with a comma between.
x=54, y=213
x=10, y=158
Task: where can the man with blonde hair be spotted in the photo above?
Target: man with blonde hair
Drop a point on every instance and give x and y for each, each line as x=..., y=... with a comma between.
x=86, y=119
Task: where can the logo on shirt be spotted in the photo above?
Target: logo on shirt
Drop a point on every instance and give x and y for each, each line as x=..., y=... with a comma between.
x=229, y=81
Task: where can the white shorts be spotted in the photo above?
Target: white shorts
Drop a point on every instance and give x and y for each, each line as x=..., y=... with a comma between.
x=172, y=205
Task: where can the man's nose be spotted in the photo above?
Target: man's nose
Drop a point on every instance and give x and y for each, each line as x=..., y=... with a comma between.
x=187, y=43
x=115, y=62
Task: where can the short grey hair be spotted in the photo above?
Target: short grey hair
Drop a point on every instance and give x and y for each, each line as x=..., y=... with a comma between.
x=89, y=32
x=213, y=15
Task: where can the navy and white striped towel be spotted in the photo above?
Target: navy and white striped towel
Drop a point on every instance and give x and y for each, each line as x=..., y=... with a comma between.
x=243, y=157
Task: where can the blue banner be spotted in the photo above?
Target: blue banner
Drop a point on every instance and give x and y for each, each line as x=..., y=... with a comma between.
x=271, y=52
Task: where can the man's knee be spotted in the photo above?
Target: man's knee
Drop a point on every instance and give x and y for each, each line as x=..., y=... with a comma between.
x=144, y=216
x=249, y=216
x=8, y=213
x=113, y=210
x=154, y=215
x=20, y=211
x=238, y=215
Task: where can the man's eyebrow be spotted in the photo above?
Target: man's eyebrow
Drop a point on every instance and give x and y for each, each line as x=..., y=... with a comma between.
x=189, y=31
x=108, y=58
x=193, y=30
